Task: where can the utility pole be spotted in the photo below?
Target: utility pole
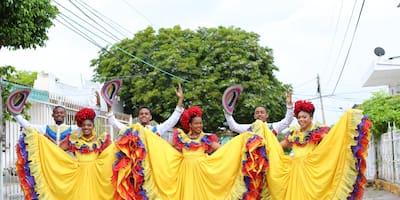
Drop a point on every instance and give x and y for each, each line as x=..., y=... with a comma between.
x=320, y=98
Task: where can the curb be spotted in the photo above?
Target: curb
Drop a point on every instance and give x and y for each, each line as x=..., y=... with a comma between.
x=388, y=186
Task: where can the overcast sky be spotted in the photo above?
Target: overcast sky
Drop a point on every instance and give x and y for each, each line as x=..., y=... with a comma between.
x=308, y=37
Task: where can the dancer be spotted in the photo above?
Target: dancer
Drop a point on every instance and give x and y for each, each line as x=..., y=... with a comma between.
x=59, y=176
x=192, y=122
x=327, y=164
x=260, y=113
x=145, y=117
x=148, y=167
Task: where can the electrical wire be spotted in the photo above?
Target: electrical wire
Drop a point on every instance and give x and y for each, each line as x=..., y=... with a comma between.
x=137, y=11
x=84, y=13
x=104, y=18
x=71, y=27
x=343, y=41
x=333, y=39
x=115, y=46
x=131, y=55
x=351, y=44
x=93, y=26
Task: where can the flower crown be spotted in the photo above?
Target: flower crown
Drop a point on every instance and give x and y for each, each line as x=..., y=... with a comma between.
x=84, y=114
x=188, y=114
x=305, y=106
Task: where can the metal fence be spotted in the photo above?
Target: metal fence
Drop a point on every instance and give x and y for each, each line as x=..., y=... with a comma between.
x=370, y=172
x=40, y=113
x=388, y=157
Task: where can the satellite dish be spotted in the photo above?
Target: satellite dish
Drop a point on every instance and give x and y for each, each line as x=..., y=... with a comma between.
x=379, y=51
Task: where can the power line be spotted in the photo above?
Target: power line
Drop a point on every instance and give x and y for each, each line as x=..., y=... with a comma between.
x=343, y=41
x=77, y=31
x=136, y=10
x=333, y=39
x=304, y=83
x=93, y=26
x=351, y=44
x=122, y=50
x=103, y=18
x=84, y=13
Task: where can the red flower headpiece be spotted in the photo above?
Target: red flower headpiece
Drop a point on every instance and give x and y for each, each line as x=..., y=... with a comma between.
x=305, y=106
x=84, y=114
x=188, y=114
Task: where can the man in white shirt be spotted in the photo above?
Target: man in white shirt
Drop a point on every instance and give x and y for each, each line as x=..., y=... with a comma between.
x=261, y=113
x=145, y=117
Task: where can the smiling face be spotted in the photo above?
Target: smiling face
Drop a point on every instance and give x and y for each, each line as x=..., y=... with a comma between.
x=59, y=115
x=144, y=116
x=87, y=128
x=305, y=120
x=261, y=114
x=196, y=125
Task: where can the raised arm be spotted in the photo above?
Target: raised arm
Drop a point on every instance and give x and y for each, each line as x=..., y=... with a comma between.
x=174, y=118
x=114, y=122
x=234, y=126
x=25, y=124
x=98, y=105
x=285, y=122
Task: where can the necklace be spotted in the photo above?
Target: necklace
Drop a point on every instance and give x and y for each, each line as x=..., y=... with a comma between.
x=88, y=139
x=193, y=136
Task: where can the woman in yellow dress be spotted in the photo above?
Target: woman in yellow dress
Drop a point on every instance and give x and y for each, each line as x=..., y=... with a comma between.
x=150, y=168
x=326, y=163
x=47, y=172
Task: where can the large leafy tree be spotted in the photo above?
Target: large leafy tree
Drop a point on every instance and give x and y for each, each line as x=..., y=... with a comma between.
x=207, y=61
x=24, y=23
x=382, y=109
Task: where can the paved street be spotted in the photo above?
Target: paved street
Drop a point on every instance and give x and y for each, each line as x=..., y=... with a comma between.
x=373, y=194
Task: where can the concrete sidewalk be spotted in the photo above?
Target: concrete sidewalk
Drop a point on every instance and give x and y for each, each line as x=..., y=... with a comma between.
x=372, y=193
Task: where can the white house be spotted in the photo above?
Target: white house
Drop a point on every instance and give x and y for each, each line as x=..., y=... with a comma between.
x=384, y=72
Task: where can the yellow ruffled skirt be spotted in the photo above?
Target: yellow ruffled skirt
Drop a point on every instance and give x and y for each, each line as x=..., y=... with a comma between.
x=333, y=170
x=48, y=172
x=234, y=171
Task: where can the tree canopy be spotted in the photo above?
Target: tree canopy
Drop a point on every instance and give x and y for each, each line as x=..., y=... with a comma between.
x=207, y=61
x=24, y=23
x=382, y=109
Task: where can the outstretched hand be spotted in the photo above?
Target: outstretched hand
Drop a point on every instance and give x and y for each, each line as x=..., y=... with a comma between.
x=97, y=98
x=289, y=98
x=179, y=91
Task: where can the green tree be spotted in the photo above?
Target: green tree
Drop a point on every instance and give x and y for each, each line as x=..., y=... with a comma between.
x=24, y=23
x=24, y=78
x=210, y=59
x=382, y=109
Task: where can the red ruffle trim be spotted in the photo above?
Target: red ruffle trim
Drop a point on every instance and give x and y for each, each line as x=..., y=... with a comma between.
x=128, y=176
x=205, y=142
x=360, y=153
x=27, y=181
x=254, y=167
x=84, y=149
x=315, y=136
